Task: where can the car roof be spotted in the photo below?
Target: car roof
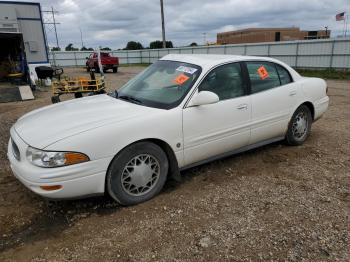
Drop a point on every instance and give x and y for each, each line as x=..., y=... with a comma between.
x=208, y=61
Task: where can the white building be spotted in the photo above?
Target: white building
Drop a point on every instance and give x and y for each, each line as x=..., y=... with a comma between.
x=22, y=37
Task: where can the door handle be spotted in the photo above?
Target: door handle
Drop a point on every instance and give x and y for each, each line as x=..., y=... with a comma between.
x=242, y=106
x=293, y=93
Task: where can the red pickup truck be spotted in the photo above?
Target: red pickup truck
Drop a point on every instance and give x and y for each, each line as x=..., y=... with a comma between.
x=107, y=61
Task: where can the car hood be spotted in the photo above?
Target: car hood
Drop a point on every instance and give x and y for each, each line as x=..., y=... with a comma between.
x=45, y=126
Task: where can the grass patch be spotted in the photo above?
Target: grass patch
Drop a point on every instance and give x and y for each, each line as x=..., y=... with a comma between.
x=325, y=74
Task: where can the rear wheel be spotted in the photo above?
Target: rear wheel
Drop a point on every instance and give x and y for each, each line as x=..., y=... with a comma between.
x=115, y=69
x=78, y=95
x=299, y=126
x=97, y=69
x=55, y=99
x=137, y=174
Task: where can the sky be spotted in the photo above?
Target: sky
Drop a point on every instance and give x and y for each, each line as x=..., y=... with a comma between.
x=113, y=23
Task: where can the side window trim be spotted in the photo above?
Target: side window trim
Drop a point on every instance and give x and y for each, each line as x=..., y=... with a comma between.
x=279, y=77
x=285, y=69
x=246, y=78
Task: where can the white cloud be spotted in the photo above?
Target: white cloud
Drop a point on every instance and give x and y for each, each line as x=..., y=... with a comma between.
x=115, y=22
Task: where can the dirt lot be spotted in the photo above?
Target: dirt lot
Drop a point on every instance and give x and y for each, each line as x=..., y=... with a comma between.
x=273, y=203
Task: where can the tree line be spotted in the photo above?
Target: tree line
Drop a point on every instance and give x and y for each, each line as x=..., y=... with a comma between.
x=131, y=45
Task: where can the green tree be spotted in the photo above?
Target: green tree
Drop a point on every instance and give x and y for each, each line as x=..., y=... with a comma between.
x=132, y=45
x=159, y=44
x=193, y=44
x=105, y=48
x=55, y=48
x=70, y=47
x=86, y=49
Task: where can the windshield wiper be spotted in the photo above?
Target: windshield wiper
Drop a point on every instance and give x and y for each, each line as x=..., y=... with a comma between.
x=131, y=99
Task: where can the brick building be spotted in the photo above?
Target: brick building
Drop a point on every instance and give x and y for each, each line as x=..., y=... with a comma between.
x=258, y=35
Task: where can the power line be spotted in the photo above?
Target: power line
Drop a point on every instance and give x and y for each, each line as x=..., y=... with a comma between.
x=50, y=21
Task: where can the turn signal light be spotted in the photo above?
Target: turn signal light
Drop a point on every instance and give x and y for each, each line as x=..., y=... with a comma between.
x=75, y=158
x=51, y=188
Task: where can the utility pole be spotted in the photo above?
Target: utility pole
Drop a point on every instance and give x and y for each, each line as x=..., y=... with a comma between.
x=204, y=38
x=81, y=37
x=163, y=26
x=326, y=27
x=51, y=21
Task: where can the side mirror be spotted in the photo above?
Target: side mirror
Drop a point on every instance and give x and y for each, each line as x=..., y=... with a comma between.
x=204, y=98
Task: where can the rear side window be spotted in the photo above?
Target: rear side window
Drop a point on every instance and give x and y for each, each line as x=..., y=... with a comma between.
x=263, y=76
x=284, y=75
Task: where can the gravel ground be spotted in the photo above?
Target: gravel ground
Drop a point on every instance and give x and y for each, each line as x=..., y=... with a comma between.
x=272, y=203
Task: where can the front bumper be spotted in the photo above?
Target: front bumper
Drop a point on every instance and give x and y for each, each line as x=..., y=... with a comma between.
x=76, y=180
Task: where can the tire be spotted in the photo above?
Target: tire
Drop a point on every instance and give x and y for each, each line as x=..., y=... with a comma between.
x=130, y=187
x=87, y=69
x=299, y=126
x=97, y=69
x=115, y=69
x=78, y=95
x=100, y=92
x=55, y=99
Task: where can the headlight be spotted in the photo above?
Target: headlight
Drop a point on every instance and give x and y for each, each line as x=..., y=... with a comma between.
x=54, y=159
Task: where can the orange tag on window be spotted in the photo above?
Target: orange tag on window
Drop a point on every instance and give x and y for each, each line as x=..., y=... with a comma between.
x=181, y=79
x=263, y=72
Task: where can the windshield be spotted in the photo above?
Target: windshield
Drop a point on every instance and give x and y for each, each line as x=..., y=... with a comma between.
x=163, y=85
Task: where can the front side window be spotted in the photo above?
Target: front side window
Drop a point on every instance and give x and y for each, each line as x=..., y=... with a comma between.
x=164, y=84
x=263, y=76
x=226, y=81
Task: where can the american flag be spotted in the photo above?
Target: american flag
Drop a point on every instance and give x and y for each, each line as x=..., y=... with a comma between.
x=340, y=16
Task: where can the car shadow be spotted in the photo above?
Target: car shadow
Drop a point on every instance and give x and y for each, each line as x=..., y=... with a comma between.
x=55, y=217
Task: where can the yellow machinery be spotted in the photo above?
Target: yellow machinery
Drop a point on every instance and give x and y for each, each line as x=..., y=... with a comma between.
x=77, y=87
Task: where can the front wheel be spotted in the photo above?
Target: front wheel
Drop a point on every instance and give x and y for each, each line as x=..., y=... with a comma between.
x=299, y=126
x=55, y=99
x=115, y=69
x=137, y=174
x=97, y=69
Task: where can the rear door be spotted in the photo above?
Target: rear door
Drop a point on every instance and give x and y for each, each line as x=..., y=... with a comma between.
x=214, y=129
x=273, y=96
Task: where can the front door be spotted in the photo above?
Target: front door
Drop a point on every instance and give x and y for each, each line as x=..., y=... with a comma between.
x=211, y=130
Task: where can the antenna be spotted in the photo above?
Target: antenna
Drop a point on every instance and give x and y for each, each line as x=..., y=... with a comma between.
x=50, y=23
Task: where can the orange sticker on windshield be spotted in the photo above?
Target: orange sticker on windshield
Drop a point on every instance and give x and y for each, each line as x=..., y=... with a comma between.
x=181, y=79
x=263, y=72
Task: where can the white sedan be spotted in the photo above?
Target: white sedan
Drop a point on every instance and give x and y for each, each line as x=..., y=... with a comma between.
x=182, y=111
